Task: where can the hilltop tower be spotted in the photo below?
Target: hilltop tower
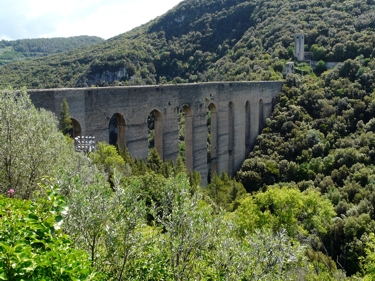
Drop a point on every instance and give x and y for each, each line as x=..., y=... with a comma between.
x=299, y=46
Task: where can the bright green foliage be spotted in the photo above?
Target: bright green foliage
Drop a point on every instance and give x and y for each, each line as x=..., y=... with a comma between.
x=368, y=262
x=282, y=207
x=32, y=245
x=31, y=146
x=108, y=159
x=184, y=238
x=65, y=123
x=188, y=242
x=107, y=156
x=248, y=216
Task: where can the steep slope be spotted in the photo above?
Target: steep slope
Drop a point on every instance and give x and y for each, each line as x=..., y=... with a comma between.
x=209, y=40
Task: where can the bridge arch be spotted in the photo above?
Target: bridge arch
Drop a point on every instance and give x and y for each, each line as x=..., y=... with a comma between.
x=155, y=130
x=94, y=107
x=117, y=131
x=76, y=128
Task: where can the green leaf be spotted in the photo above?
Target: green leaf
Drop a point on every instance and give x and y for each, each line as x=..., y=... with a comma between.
x=3, y=276
x=33, y=217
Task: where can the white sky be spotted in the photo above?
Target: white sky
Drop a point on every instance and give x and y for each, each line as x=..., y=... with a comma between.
x=21, y=19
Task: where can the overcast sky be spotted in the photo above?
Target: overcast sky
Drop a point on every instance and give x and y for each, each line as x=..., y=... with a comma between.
x=21, y=19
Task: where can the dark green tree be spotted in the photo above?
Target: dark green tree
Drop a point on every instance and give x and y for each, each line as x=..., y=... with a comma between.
x=65, y=122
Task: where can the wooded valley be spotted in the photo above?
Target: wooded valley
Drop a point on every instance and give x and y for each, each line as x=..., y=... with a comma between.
x=300, y=208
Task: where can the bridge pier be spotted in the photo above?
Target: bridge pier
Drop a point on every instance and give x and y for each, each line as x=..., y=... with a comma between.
x=238, y=113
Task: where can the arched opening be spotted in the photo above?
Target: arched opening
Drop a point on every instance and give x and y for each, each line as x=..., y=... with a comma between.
x=230, y=138
x=211, y=140
x=186, y=136
x=155, y=132
x=117, y=131
x=261, y=118
x=247, y=127
x=76, y=128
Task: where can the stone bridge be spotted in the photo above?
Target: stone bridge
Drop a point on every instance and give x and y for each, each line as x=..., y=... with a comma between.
x=238, y=111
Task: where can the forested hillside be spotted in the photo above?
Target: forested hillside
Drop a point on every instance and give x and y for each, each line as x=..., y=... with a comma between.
x=308, y=213
x=209, y=41
x=11, y=51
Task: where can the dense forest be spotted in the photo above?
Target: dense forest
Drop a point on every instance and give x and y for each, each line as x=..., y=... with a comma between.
x=16, y=50
x=300, y=208
x=209, y=41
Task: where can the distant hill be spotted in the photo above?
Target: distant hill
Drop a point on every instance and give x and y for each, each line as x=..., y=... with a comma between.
x=208, y=40
x=11, y=51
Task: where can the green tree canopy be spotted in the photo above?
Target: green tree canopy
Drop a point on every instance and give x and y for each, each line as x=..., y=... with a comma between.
x=65, y=122
x=31, y=146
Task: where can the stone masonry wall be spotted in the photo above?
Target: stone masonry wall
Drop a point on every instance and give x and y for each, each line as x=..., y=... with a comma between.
x=94, y=107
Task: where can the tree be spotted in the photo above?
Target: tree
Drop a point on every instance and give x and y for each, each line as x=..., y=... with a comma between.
x=108, y=159
x=368, y=262
x=223, y=192
x=282, y=207
x=33, y=245
x=65, y=122
x=89, y=213
x=31, y=146
x=320, y=67
x=319, y=52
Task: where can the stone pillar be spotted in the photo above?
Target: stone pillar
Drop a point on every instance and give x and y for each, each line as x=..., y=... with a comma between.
x=254, y=122
x=170, y=133
x=188, y=139
x=239, y=131
x=136, y=136
x=200, y=140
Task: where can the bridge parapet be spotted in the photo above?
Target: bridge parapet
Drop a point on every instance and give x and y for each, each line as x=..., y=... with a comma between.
x=238, y=114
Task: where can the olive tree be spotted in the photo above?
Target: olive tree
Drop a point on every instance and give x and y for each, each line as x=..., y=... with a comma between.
x=30, y=144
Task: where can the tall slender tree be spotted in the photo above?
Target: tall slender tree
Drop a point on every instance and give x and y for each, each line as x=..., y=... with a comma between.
x=65, y=122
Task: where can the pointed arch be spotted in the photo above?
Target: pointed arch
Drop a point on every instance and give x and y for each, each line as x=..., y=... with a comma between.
x=155, y=127
x=76, y=128
x=117, y=131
